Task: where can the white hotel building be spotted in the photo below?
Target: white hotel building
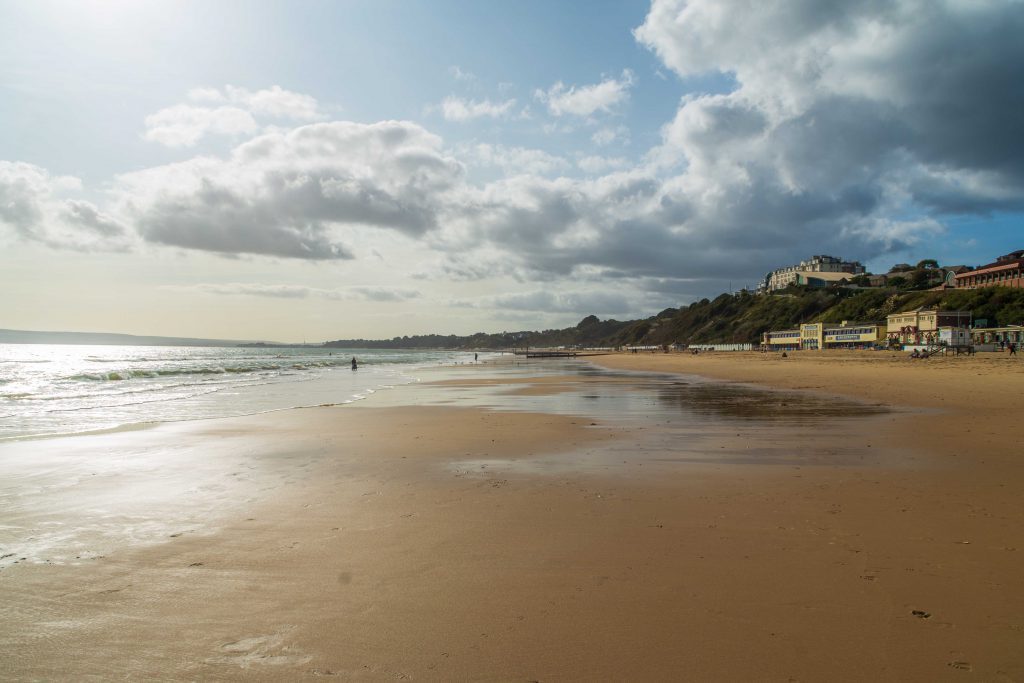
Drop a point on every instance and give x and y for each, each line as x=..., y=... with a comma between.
x=783, y=277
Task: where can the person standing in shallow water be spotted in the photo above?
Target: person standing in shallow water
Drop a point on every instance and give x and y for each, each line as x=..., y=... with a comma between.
x=355, y=366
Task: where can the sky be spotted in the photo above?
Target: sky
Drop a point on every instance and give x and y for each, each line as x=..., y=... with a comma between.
x=320, y=170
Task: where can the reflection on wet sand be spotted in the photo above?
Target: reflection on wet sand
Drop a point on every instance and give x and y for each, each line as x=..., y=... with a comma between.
x=675, y=421
x=585, y=390
x=743, y=402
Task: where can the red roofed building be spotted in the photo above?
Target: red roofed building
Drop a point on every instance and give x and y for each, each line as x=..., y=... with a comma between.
x=1007, y=271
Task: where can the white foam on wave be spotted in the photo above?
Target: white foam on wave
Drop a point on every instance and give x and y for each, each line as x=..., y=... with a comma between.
x=166, y=384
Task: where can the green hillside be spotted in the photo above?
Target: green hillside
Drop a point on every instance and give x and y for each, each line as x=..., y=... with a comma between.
x=743, y=318
x=734, y=319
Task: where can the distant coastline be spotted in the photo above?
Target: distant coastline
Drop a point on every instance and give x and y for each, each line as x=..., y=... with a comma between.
x=117, y=339
x=111, y=339
x=728, y=319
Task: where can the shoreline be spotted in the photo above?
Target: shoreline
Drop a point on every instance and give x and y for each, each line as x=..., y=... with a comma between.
x=375, y=541
x=77, y=390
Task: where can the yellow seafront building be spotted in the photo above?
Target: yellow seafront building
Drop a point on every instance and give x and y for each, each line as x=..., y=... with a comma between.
x=921, y=325
x=819, y=335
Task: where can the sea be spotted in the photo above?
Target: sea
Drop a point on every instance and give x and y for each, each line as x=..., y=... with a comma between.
x=51, y=390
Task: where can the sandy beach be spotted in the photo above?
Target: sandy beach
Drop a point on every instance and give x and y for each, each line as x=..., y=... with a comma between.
x=422, y=536
x=414, y=340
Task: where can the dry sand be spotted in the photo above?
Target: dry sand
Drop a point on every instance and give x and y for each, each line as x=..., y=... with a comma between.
x=370, y=543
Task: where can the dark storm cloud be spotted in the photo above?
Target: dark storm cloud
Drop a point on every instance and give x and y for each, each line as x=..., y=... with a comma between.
x=957, y=78
x=845, y=116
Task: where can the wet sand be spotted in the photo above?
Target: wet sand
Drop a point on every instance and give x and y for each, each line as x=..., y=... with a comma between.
x=445, y=541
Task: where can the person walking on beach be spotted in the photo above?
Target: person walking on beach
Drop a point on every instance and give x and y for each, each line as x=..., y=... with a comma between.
x=1013, y=349
x=355, y=366
x=476, y=357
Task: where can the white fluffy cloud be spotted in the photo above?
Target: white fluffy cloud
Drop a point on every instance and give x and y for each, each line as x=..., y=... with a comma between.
x=231, y=111
x=274, y=102
x=594, y=164
x=584, y=100
x=280, y=193
x=458, y=109
x=184, y=125
x=31, y=207
x=607, y=135
x=514, y=160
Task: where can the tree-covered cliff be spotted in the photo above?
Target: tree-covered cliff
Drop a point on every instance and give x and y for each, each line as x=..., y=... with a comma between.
x=732, y=319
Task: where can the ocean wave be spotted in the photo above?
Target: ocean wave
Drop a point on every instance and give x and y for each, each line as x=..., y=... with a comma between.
x=96, y=389
x=152, y=373
x=107, y=393
x=123, y=375
x=113, y=390
x=129, y=404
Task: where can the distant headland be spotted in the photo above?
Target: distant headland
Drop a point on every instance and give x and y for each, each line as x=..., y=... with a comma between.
x=106, y=339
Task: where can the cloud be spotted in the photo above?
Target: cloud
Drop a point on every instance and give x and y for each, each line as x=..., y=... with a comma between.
x=860, y=93
x=184, y=125
x=457, y=109
x=597, y=164
x=23, y=190
x=461, y=75
x=234, y=114
x=514, y=160
x=964, y=191
x=253, y=289
x=838, y=162
x=465, y=266
x=545, y=301
x=91, y=219
x=606, y=136
x=639, y=226
x=850, y=128
x=384, y=294
x=553, y=228
x=274, y=102
x=378, y=294
x=31, y=207
x=281, y=193
x=587, y=99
